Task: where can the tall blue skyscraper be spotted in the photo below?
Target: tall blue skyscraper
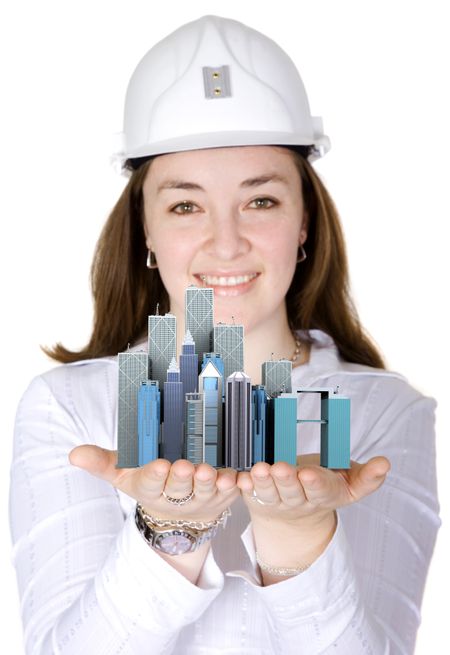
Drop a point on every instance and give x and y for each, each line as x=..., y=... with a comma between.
x=285, y=429
x=162, y=345
x=259, y=423
x=194, y=428
x=133, y=370
x=229, y=343
x=210, y=384
x=238, y=421
x=334, y=423
x=335, y=432
x=148, y=421
x=189, y=365
x=276, y=376
x=199, y=308
x=173, y=425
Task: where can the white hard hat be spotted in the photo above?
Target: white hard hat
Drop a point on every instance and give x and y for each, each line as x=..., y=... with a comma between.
x=215, y=82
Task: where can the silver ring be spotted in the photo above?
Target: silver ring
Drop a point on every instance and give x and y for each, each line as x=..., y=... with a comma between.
x=178, y=501
x=256, y=499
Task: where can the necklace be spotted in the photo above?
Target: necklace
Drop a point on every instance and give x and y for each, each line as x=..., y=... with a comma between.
x=298, y=347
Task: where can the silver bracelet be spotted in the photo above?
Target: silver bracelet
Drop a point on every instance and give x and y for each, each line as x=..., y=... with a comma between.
x=182, y=523
x=281, y=571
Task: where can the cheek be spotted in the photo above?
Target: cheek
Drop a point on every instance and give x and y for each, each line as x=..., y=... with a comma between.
x=281, y=249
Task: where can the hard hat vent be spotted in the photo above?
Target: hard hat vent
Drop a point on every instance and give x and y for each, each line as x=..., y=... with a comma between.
x=217, y=81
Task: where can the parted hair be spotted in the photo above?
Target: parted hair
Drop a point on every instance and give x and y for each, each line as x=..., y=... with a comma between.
x=125, y=291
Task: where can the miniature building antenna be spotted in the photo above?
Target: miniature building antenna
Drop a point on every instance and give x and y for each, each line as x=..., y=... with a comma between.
x=157, y=309
x=337, y=389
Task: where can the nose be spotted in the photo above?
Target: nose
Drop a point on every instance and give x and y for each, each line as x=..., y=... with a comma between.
x=226, y=240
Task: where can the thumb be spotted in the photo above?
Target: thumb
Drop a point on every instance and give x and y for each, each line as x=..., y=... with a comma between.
x=96, y=461
x=370, y=476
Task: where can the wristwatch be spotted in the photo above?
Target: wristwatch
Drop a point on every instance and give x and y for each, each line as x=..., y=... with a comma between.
x=177, y=538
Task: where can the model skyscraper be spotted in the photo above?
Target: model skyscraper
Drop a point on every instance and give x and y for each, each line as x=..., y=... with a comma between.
x=133, y=370
x=199, y=317
x=195, y=428
x=162, y=345
x=189, y=365
x=173, y=424
x=149, y=421
x=259, y=422
x=229, y=342
x=276, y=376
x=238, y=421
x=210, y=384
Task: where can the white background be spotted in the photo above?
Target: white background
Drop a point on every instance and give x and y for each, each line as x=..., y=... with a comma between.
x=377, y=71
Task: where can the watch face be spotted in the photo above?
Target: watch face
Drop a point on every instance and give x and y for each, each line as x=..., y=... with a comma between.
x=175, y=543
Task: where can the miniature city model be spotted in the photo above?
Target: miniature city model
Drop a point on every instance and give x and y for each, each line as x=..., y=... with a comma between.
x=205, y=408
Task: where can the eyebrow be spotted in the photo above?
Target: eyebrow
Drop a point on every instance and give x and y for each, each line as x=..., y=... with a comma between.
x=250, y=182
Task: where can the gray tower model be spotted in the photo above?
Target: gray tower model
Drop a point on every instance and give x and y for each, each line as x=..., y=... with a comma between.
x=133, y=370
x=276, y=377
x=229, y=343
x=194, y=428
x=162, y=345
x=238, y=421
x=199, y=306
x=189, y=365
x=173, y=425
x=210, y=385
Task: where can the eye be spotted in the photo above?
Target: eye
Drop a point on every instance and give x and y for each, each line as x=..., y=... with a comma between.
x=184, y=207
x=263, y=203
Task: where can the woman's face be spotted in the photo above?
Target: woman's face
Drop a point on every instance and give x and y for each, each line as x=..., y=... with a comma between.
x=227, y=218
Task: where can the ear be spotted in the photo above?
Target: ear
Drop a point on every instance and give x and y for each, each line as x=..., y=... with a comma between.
x=148, y=241
x=304, y=229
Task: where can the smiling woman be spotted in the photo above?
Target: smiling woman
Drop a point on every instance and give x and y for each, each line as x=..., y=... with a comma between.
x=139, y=560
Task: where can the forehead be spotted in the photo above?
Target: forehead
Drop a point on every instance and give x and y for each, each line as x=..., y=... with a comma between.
x=232, y=164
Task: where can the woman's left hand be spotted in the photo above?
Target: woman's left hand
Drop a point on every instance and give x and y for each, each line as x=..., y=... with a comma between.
x=290, y=494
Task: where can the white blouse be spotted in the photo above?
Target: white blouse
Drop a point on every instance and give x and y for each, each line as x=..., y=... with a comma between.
x=89, y=584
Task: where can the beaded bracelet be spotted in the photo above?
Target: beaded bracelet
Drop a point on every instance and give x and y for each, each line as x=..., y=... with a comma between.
x=281, y=571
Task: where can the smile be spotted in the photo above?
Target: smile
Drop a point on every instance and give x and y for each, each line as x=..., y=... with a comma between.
x=226, y=281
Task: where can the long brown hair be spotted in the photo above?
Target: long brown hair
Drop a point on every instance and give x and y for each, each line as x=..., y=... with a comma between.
x=125, y=292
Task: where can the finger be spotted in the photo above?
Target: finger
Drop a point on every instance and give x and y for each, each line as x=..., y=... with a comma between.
x=287, y=483
x=227, y=481
x=321, y=486
x=180, y=482
x=151, y=479
x=263, y=484
x=366, y=478
x=96, y=461
x=244, y=482
x=205, y=482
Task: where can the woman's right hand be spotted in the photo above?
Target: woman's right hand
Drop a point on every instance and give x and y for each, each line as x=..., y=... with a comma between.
x=214, y=489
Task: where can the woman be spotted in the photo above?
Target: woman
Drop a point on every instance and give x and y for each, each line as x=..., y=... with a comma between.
x=218, y=139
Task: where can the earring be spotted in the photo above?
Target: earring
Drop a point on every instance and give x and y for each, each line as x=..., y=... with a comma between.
x=301, y=254
x=151, y=260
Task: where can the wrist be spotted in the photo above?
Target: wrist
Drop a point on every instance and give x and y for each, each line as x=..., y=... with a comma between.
x=293, y=544
x=177, y=537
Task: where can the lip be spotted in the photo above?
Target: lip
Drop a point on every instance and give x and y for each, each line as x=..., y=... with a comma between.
x=226, y=290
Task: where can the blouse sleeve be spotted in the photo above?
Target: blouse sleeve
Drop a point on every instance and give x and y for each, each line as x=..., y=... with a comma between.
x=87, y=580
x=363, y=594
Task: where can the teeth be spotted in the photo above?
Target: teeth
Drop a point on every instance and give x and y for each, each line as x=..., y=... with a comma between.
x=221, y=281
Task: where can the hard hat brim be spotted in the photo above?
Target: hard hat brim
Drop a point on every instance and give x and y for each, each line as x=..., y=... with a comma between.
x=320, y=145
